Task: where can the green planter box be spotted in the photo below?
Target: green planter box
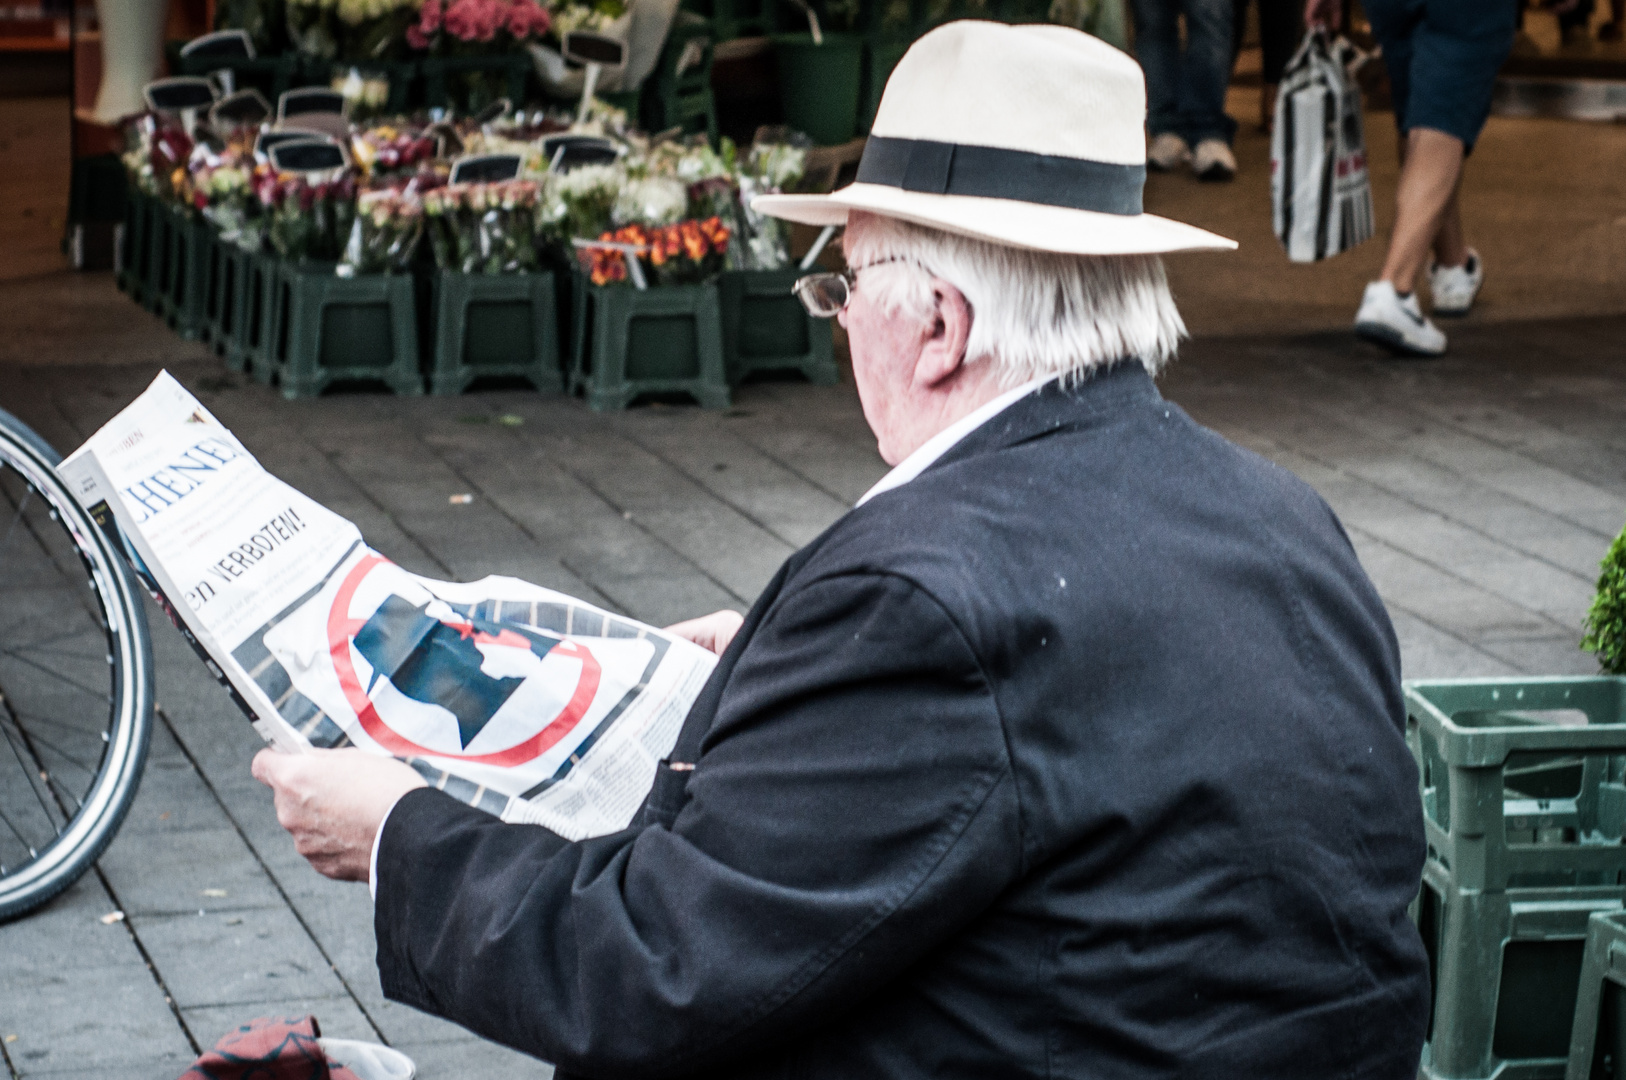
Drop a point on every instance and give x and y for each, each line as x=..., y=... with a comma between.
x=184, y=269
x=325, y=329
x=765, y=328
x=494, y=325
x=257, y=286
x=470, y=83
x=819, y=85
x=1598, y=1038
x=1523, y=785
x=135, y=253
x=627, y=342
x=223, y=308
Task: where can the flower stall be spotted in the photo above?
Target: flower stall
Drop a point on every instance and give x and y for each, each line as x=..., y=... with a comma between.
x=633, y=256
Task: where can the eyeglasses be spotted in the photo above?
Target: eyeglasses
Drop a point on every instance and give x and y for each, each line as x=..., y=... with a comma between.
x=825, y=295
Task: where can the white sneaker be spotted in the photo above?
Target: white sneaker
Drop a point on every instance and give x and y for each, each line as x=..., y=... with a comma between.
x=1167, y=153
x=1214, y=161
x=1396, y=323
x=1453, y=288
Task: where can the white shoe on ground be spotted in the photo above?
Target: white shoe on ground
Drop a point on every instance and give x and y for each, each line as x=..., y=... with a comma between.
x=1397, y=323
x=1214, y=161
x=1167, y=153
x=1453, y=288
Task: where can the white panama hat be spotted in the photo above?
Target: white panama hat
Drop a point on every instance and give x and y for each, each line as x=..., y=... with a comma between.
x=1028, y=136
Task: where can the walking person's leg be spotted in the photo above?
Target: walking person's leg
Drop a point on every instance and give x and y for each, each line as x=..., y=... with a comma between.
x=1442, y=57
x=1425, y=202
x=1205, y=73
x=1157, y=47
x=1280, y=30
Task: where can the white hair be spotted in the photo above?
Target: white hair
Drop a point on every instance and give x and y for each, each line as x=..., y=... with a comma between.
x=1034, y=313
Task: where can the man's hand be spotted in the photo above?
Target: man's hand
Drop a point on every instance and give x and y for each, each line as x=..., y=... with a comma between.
x=712, y=631
x=1327, y=13
x=333, y=802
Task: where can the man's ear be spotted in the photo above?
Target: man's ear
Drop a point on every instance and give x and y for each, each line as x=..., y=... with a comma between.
x=944, y=352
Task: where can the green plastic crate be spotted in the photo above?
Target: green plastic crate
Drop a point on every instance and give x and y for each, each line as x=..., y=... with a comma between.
x=765, y=328
x=1598, y=1037
x=627, y=342
x=494, y=325
x=1505, y=969
x=1523, y=781
x=1523, y=786
x=325, y=329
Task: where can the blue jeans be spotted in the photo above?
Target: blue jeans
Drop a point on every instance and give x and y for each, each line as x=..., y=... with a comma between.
x=1185, y=91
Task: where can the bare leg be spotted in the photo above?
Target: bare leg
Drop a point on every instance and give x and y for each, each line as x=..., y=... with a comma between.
x=1449, y=247
x=1431, y=166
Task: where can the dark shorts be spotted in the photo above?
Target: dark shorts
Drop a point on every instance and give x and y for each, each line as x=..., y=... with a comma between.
x=1443, y=56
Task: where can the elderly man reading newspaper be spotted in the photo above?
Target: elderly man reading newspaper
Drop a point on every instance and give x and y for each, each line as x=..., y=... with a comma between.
x=1075, y=749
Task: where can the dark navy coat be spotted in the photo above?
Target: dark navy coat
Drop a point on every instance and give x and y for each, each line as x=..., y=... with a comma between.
x=1080, y=755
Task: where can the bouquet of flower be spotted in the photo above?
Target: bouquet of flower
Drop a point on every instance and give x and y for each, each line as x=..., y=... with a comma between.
x=222, y=191
x=599, y=16
x=386, y=149
x=472, y=27
x=579, y=202
x=307, y=217
x=652, y=200
x=679, y=254
x=385, y=233
x=484, y=228
x=769, y=167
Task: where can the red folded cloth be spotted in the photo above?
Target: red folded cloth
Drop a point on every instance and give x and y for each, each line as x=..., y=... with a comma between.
x=270, y=1048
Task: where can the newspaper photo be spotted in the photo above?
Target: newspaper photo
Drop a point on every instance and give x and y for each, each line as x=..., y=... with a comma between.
x=530, y=704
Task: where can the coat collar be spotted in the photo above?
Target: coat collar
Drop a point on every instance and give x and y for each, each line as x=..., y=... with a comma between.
x=1105, y=394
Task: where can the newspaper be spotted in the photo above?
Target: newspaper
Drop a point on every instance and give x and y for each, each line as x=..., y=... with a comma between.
x=525, y=702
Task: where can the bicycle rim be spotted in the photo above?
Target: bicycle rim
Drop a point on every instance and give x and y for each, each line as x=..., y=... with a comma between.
x=75, y=680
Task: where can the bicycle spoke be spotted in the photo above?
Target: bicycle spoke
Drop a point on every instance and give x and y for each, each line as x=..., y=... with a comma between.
x=28, y=493
x=35, y=738
x=28, y=845
x=58, y=675
x=37, y=645
x=36, y=774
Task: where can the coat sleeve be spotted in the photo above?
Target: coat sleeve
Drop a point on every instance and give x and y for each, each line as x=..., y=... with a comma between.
x=851, y=808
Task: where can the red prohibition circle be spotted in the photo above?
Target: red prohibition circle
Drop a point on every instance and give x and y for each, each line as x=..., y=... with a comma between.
x=341, y=628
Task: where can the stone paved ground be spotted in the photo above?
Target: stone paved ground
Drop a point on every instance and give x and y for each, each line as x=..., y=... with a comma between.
x=1480, y=490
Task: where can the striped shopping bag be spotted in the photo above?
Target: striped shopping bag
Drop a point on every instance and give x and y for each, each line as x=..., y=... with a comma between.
x=1321, y=196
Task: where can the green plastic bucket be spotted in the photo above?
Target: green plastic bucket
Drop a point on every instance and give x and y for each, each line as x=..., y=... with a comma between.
x=820, y=85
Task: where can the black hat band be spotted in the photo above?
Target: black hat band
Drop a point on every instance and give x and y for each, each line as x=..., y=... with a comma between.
x=992, y=172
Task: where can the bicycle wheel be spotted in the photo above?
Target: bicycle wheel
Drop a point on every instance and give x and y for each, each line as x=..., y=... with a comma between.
x=75, y=679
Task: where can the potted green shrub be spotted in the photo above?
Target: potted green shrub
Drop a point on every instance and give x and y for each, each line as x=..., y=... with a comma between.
x=1606, y=622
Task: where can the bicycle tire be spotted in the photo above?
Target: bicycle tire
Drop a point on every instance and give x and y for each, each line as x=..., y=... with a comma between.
x=84, y=833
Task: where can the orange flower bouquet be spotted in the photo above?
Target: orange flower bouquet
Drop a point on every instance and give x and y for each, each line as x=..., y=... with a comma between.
x=681, y=254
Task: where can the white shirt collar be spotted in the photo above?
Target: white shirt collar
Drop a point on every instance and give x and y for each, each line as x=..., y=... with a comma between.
x=941, y=443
